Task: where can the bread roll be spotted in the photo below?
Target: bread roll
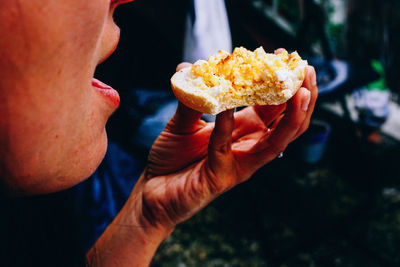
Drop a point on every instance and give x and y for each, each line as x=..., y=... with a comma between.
x=243, y=78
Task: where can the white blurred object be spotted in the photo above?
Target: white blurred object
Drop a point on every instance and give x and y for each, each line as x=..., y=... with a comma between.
x=373, y=105
x=391, y=194
x=207, y=31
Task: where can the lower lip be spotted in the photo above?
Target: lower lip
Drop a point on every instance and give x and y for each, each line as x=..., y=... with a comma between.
x=107, y=91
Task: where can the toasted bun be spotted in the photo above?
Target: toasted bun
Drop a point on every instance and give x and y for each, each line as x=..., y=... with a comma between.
x=243, y=78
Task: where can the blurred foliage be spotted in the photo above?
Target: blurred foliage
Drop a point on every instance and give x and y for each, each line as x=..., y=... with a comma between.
x=290, y=10
x=381, y=82
x=336, y=33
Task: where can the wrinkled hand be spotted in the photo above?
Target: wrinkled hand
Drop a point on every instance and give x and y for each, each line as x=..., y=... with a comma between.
x=192, y=162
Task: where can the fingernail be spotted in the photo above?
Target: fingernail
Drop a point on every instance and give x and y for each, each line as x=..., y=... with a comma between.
x=306, y=100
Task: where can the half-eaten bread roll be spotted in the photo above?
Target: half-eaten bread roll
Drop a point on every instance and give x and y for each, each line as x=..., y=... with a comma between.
x=243, y=78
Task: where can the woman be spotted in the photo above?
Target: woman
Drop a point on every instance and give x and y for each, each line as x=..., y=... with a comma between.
x=53, y=117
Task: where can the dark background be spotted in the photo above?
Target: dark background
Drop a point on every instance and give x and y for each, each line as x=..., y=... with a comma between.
x=341, y=211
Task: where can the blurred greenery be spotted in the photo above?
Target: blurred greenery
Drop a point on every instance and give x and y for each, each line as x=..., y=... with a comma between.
x=336, y=33
x=290, y=9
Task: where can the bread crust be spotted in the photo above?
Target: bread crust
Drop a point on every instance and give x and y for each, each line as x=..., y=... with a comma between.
x=192, y=99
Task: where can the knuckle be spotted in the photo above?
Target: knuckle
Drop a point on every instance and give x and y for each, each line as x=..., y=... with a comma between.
x=223, y=148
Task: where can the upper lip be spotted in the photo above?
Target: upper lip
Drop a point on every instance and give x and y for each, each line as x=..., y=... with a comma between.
x=109, y=52
x=118, y=2
x=113, y=5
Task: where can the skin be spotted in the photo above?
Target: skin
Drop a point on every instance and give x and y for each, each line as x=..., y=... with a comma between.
x=52, y=125
x=52, y=120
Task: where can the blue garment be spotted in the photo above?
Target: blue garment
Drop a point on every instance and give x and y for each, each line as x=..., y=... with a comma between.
x=58, y=229
x=106, y=191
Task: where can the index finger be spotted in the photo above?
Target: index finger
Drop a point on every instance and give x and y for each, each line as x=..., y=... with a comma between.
x=270, y=145
x=310, y=82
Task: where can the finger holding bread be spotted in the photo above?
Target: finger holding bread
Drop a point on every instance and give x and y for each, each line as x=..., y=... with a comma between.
x=272, y=144
x=256, y=118
x=269, y=113
x=310, y=82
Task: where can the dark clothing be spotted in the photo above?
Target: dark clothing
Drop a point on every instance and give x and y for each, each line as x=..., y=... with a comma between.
x=58, y=229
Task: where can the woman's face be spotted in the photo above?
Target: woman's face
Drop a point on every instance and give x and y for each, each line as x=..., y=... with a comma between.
x=52, y=112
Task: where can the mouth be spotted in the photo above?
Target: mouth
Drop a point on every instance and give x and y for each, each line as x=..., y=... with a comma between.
x=109, y=93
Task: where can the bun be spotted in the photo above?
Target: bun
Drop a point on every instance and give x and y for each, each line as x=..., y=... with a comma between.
x=243, y=78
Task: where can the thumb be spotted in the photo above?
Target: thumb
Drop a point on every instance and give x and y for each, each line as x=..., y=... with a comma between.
x=219, y=149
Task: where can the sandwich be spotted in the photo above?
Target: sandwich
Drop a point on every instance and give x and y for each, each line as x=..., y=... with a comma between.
x=243, y=78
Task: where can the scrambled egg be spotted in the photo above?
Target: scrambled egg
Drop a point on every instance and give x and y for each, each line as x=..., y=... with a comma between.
x=243, y=69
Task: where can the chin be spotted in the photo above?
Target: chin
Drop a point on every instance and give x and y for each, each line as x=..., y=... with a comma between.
x=81, y=169
x=37, y=179
x=93, y=161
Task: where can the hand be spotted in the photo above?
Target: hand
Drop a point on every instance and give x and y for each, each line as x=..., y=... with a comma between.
x=192, y=161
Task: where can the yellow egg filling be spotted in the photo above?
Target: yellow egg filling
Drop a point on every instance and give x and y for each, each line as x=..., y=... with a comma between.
x=234, y=73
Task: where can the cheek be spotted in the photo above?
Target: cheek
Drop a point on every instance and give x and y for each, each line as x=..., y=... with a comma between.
x=40, y=31
x=52, y=122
